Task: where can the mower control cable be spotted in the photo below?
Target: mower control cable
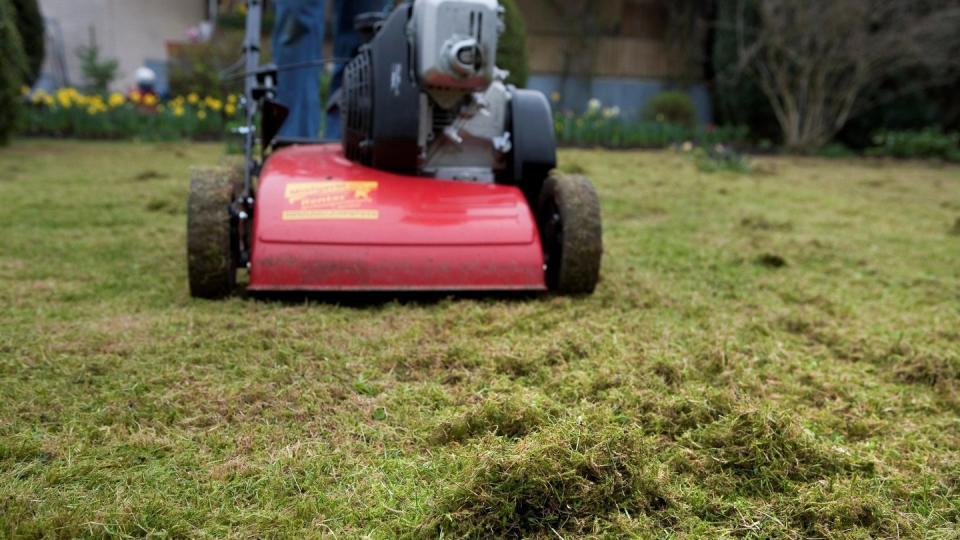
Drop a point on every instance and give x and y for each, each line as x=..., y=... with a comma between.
x=231, y=73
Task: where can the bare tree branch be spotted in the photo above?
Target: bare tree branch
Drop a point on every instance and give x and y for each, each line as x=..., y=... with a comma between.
x=816, y=60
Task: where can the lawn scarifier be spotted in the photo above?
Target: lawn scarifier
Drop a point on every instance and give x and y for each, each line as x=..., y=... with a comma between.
x=443, y=182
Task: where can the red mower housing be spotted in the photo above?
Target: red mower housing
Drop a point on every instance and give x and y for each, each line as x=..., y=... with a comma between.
x=325, y=223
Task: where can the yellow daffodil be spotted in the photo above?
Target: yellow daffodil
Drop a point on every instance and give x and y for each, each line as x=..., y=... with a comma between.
x=193, y=98
x=178, y=111
x=136, y=96
x=202, y=115
x=149, y=100
x=65, y=97
x=48, y=100
x=232, y=99
x=116, y=99
x=230, y=109
x=39, y=97
x=213, y=103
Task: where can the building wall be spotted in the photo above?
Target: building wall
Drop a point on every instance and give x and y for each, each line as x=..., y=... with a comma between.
x=631, y=38
x=631, y=58
x=132, y=31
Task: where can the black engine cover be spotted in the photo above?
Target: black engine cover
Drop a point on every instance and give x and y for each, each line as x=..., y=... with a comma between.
x=381, y=100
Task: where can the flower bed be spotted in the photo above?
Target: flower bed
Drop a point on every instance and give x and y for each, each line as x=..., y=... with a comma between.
x=607, y=127
x=70, y=113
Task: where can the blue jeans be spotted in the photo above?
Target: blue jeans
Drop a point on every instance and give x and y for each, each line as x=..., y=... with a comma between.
x=297, y=38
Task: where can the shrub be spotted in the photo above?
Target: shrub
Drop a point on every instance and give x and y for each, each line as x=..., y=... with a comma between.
x=12, y=70
x=924, y=144
x=835, y=151
x=672, y=107
x=739, y=102
x=606, y=127
x=196, y=67
x=97, y=73
x=30, y=26
x=512, y=48
x=720, y=158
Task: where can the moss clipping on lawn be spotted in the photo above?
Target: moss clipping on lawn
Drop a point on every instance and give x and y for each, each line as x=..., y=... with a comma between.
x=766, y=356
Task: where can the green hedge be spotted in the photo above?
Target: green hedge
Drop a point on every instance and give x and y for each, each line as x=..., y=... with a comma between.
x=673, y=108
x=922, y=144
x=13, y=68
x=30, y=26
x=605, y=127
x=740, y=103
x=512, y=48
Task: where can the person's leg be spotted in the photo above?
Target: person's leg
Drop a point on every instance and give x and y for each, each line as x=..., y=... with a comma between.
x=297, y=38
x=346, y=40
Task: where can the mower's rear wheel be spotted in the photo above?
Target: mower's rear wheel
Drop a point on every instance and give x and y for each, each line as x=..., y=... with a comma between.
x=571, y=233
x=211, y=232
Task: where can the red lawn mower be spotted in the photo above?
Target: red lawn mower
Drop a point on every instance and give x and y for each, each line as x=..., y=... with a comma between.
x=443, y=180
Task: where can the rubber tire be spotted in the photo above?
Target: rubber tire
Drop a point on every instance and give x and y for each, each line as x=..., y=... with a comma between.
x=571, y=232
x=211, y=234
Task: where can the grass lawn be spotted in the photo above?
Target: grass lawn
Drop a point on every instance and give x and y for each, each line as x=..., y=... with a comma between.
x=768, y=355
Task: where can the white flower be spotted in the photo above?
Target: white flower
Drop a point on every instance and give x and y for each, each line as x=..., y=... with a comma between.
x=594, y=105
x=611, y=112
x=688, y=146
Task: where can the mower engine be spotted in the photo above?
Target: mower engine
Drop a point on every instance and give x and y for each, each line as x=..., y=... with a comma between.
x=425, y=97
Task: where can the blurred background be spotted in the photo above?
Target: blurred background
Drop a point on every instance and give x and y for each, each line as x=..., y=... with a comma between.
x=835, y=78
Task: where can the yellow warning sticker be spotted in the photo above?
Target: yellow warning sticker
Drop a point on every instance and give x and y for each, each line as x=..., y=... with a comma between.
x=331, y=200
x=307, y=215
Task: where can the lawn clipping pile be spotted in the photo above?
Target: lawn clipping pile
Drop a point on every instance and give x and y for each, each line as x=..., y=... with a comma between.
x=768, y=355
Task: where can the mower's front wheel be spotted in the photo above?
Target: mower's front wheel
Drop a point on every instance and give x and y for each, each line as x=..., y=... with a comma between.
x=212, y=232
x=571, y=233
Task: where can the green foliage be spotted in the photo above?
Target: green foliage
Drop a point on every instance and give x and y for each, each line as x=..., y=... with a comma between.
x=32, y=33
x=512, y=49
x=672, y=108
x=913, y=111
x=606, y=127
x=98, y=73
x=69, y=114
x=925, y=144
x=196, y=67
x=736, y=100
x=835, y=151
x=13, y=69
x=720, y=158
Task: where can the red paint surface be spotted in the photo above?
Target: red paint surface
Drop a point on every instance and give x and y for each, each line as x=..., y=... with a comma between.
x=407, y=233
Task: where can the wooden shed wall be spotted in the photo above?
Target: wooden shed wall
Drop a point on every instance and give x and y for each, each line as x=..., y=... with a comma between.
x=633, y=44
